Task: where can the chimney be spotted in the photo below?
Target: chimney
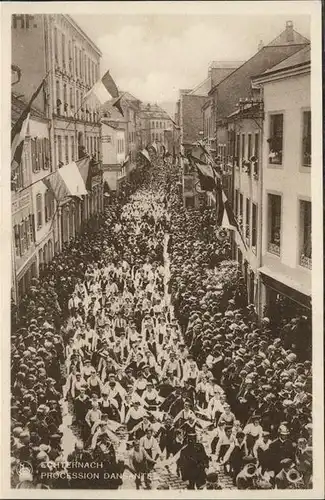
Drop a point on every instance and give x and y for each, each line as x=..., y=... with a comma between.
x=260, y=45
x=289, y=32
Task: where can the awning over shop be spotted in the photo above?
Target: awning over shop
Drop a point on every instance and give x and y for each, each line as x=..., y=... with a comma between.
x=286, y=285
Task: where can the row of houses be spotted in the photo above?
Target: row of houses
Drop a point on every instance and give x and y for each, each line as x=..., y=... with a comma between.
x=59, y=132
x=63, y=128
x=123, y=136
x=256, y=119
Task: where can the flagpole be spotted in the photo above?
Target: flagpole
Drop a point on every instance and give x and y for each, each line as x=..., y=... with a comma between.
x=35, y=182
x=34, y=95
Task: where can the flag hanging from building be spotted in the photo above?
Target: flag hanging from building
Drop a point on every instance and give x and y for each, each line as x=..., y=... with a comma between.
x=18, y=131
x=104, y=89
x=56, y=184
x=227, y=219
x=206, y=174
x=66, y=181
x=83, y=166
x=145, y=153
x=118, y=104
x=73, y=180
x=126, y=160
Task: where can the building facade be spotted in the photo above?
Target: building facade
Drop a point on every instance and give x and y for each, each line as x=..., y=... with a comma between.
x=74, y=65
x=114, y=153
x=286, y=253
x=154, y=121
x=237, y=105
x=61, y=130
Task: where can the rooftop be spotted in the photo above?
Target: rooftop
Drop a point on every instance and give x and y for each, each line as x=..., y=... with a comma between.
x=297, y=59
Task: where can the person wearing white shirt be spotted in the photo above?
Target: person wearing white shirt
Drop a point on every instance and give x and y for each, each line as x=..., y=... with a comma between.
x=86, y=370
x=150, y=397
x=185, y=414
x=150, y=444
x=253, y=431
x=133, y=417
x=190, y=372
x=261, y=446
x=225, y=440
x=215, y=407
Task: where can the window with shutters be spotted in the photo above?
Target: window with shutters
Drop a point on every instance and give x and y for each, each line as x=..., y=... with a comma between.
x=66, y=149
x=56, y=45
x=32, y=227
x=46, y=153
x=65, y=99
x=89, y=72
x=306, y=139
x=236, y=202
x=72, y=149
x=70, y=56
x=243, y=147
x=22, y=238
x=58, y=98
x=76, y=61
x=254, y=227
x=249, y=147
x=241, y=209
x=46, y=206
x=248, y=214
x=63, y=51
x=17, y=240
x=305, y=234
x=153, y=136
x=27, y=234
x=39, y=208
x=276, y=139
x=237, y=150
x=274, y=224
x=60, y=155
x=80, y=63
x=72, y=104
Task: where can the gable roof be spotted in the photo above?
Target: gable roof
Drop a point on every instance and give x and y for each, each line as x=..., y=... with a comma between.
x=18, y=104
x=238, y=83
x=298, y=59
x=289, y=37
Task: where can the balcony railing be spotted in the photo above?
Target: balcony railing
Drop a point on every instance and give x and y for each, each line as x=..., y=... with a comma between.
x=305, y=261
x=274, y=248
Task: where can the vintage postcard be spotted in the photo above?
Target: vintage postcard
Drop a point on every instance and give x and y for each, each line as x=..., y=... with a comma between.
x=161, y=253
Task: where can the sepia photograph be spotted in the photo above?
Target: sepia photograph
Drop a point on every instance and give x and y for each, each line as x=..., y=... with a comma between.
x=162, y=235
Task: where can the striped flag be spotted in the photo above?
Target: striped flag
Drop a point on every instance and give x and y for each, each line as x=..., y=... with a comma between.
x=227, y=219
x=104, y=90
x=145, y=153
x=66, y=181
x=18, y=131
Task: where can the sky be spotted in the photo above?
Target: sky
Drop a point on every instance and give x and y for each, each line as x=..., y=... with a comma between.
x=153, y=56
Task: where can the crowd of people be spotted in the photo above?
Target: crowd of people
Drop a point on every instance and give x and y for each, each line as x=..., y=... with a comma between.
x=141, y=327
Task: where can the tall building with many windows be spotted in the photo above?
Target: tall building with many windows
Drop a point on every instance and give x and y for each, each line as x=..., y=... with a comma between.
x=154, y=121
x=74, y=65
x=286, y=253
x=61, y=129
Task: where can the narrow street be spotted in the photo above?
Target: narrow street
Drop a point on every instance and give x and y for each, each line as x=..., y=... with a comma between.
x=161, y=250
x=164, y=477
